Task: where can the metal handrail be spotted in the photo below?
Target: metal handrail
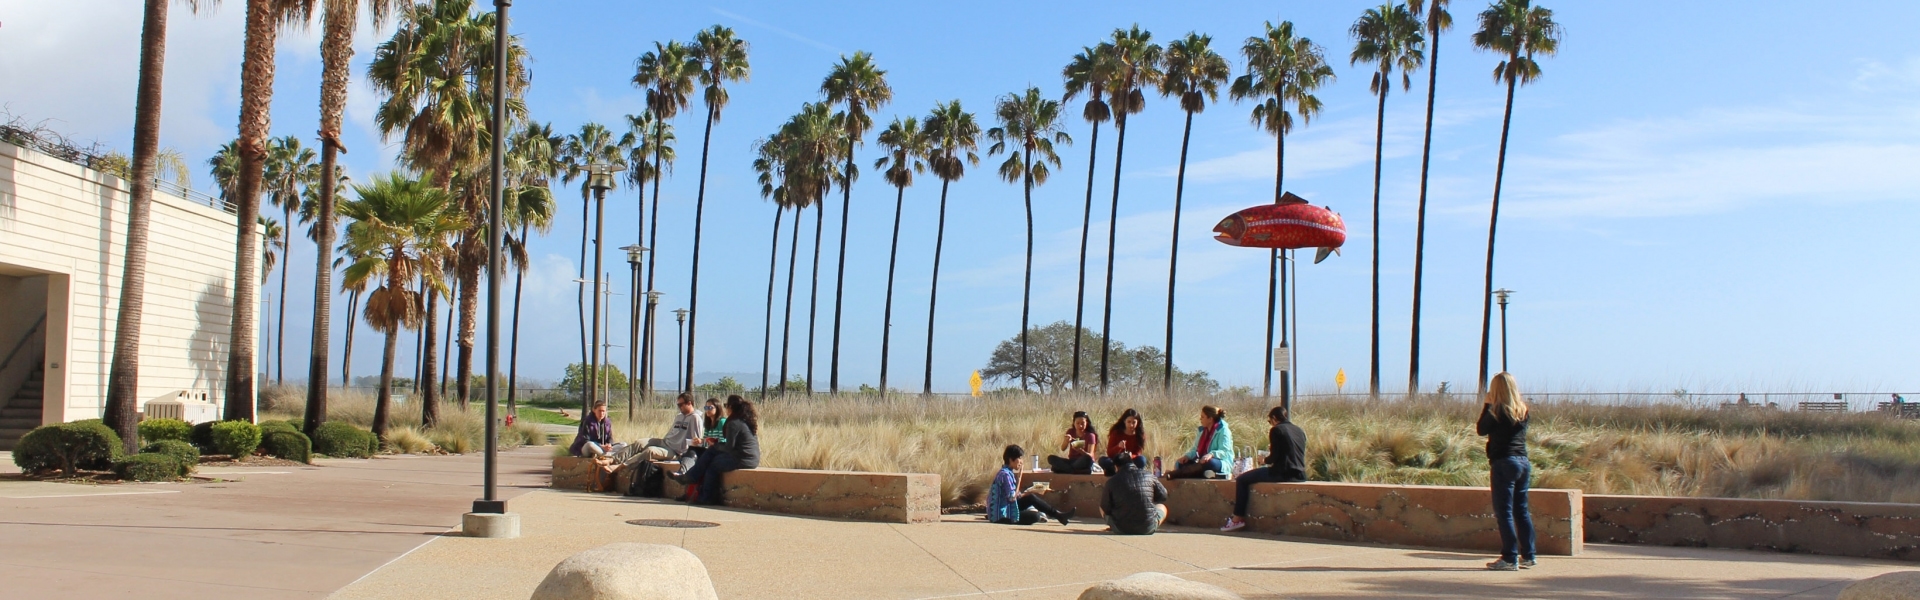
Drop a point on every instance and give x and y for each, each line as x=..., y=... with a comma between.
x=23, y=341
x=194, y=195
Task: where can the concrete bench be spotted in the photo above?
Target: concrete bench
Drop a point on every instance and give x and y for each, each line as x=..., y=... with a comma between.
x=881, y=497
x=1410, y=515
x=1862, y=529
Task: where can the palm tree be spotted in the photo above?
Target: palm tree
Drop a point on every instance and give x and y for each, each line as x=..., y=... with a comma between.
x=264, y=20
x=1194, y=72
x=531, y=167
x=353, y=304
x=667, y=74
x=1031, y=124
x=907, y=148
x=338, y=20
x=800, y=159
x=952, y=136
x=1282, y=69
x=1089, y=71
x=593, y=145
x=290, y=170
x=1136, y=65
x=858, y=87
x=123, y=377
x=1519, y=30
x=769, y=164
x=399, y=235
x=1388, y=36
x=270, y=254
x=1438, y=21
x=722, y=58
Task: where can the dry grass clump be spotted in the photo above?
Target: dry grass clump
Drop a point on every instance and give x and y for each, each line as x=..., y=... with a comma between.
x=456, y=432
x=407, y=440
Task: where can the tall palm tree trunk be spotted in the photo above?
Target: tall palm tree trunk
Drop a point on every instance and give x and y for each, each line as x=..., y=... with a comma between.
x=1420, y=218
x=256, y=102
x=813, y=300
x=786, y=334
x=469, y=317
x=773, y=269
x=346, y=358
x=1379, y=141
x=1113, y=224
x=645, y=341
x=280, y=341
x=1173, y=256
x=886, y=314
x=1026, y=281
x=1086, y=225
x=384, y=397
x=933, y=294
x=1493, y=222
x=699, y=212
x=429, y=393
x=840, y=275
x=513, y=347
x=336, y=52
x=123, y=378
x=446, y=343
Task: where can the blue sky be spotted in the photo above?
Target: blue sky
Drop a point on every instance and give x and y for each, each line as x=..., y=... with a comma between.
x=1700, y=195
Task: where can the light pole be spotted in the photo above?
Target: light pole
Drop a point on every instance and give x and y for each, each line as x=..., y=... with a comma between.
x=600, y=178
x=1501, y=295
x=490, y=518
x=680, y=347
x=635, y=253
x=647, y=372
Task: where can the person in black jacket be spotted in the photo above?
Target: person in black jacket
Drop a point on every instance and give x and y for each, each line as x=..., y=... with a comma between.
x=1503, y=419
x=1286, y=462
x=1135, y=502
x=738, y=449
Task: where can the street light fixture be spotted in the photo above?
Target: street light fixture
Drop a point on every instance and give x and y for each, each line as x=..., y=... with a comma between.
x=679, y=347
x=1500, y=295
x=635, y=254
x=647, y=372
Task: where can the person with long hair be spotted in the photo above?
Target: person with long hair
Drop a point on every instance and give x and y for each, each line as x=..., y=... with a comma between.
x=1126, y=441
x=1080, y=443
x=1503, y=419
x=595, y=437
x=1286, y=463
x=740, y=449
x=1212, y=452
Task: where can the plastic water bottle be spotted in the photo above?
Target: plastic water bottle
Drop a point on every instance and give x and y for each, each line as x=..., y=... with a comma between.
x=1157, y=473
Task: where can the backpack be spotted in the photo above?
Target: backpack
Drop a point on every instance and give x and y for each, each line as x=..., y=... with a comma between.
x=648, y=482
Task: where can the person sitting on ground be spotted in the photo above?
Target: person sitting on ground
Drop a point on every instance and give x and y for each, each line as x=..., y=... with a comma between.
x=1286, y=462
x=1007, y=504
x=740, y=449
x=595, y=437
x=687, y=426
x=1126, y=440
x=1212, y=452
x=1079, y=444
x=1135, y=502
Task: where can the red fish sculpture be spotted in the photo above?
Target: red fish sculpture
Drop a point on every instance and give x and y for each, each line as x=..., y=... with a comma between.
x=1291, y=224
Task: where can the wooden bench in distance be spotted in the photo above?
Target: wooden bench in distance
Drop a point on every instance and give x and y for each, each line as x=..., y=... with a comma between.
x=1409, y=515
x=1823, y=407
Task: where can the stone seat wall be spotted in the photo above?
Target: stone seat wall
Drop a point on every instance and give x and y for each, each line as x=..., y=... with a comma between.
x=1862, y=529
x=882, y=497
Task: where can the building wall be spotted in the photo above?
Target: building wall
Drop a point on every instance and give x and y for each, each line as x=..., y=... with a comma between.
x=69, y=223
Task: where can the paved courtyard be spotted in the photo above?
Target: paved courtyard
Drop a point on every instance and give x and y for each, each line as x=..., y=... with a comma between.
x=377, y=529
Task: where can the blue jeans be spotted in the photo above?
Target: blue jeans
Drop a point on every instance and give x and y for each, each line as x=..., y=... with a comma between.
x=1510, y=477
x=707, y=471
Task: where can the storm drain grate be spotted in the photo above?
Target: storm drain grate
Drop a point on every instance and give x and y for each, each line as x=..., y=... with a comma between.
x=674, y=523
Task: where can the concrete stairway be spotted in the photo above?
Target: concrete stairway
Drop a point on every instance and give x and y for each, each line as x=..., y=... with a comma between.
x=21, y=413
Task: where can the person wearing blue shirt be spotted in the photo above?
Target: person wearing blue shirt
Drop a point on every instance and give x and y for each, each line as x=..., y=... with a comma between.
x=1006, y=504
x=1212, y=453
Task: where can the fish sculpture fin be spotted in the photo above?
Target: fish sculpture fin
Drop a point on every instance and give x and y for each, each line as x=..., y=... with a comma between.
x=1322, y=254
x=1289, y=198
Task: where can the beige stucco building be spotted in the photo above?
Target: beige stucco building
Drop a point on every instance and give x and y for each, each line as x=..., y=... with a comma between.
x=63, y=233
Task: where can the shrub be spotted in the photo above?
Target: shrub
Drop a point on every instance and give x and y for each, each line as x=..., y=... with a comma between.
x=184, y=453
x=407, y=440
x=148, y=467
x=288, y=444
x=267, y=427
x=154, y=430
x=68, y=447
x=202, y=437
x=452, y=441
x=338, y=439
x=236, y=438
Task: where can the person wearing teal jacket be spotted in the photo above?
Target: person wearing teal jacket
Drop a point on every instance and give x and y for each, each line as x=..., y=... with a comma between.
x=1212, y=453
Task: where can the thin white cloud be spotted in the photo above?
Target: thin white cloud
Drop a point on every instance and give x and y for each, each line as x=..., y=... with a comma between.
x=1330, y=146
x=783, y=32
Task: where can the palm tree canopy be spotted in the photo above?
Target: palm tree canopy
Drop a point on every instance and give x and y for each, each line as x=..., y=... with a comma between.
x=400, y=232
x=1193, y=71
x=434, y=74
x=594, y=144
x=906, y=148
x=1389, y=37
x=722, y=58
x=1029, y=128
x=796, y=164
x=645, y=134
x=859, y=87
x=1282, y=69
x=953, y=136
x=1136, y=65
x=1519, y=30
x=290, y=170
x=224, y=166
x=1089, y=71
x=666, y=73
x=270, y=229
x=1437, y=19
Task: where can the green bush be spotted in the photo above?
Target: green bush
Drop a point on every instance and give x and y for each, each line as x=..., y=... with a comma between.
x=154, y=430
x=290, y=445
x=185, y=453
x=148, y=467
x=68, y=447
x=202, y=437
x=338, y=439
x=267, y=427
x=236, y=438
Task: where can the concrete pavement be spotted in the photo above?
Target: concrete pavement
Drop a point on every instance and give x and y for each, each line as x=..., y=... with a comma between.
x=757, y=555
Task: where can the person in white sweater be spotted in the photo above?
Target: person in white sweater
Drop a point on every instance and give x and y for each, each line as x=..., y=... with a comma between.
x=687, y=427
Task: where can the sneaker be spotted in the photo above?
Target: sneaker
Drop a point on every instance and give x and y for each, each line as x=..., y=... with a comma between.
x=1502, y=565
x=1208, y=475
x=1527, y=563
x=1234, y=524
x=1065, y=517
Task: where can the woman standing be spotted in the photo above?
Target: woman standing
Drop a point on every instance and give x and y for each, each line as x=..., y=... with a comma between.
x=1212, y=452
x=1126, y=441
x=1503, y=419
x=1079, y=444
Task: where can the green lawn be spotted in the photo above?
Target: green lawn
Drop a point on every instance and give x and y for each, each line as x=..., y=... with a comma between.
x=541, y=415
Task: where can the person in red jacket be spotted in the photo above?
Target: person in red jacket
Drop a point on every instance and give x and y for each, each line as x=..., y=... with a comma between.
x=1126, y=441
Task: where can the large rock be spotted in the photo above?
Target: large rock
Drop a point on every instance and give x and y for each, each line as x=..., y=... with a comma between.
x=628, y=571
x=1898, y=585
x=1156, y=586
